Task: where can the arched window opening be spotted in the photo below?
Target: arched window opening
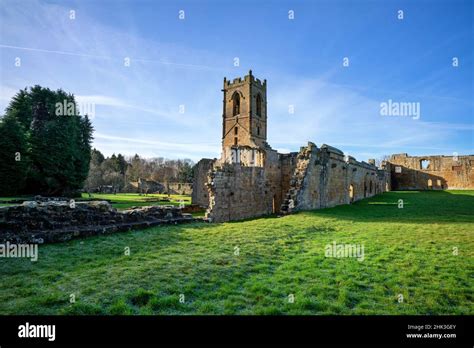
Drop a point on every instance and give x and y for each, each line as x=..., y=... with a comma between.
x=425, y=164
x=259, y=105
x=236, y=104
x=351, y=193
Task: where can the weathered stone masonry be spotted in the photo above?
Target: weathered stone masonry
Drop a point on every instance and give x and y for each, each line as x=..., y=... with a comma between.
x=251, y=179
x=432, y=172
x=324, y=177
x=238, y=192
x=200, y=195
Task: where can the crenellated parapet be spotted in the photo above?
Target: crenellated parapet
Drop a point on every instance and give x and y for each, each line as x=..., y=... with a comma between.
x=238, y=81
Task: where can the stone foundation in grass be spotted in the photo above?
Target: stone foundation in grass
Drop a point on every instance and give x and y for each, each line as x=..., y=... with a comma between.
x=58, y=221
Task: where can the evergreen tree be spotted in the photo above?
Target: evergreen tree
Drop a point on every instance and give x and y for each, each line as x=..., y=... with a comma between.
x=13, y=156
x=20, y=108
x=185, y=172
x=97, y=157
x=122, y=164
x=58, y=140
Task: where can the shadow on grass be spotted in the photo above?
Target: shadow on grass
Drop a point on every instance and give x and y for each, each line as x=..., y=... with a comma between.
x=417, y=207
x=420, y=207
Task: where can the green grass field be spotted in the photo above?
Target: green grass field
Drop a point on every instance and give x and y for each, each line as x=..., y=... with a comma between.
x=128, y=200
x=409, y=251
x=5, y=199
x=122, y=200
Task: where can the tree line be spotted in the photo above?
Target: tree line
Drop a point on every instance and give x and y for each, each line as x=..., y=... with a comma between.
x=118, y=171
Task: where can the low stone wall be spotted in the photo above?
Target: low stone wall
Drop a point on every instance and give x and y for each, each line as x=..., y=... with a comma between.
x=192, y=208
x=59, y=221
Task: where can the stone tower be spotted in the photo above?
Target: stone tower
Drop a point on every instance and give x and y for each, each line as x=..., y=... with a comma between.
x=244, y=117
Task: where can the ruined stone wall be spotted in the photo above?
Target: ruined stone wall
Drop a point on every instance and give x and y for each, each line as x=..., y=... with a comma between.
x=336, y=177
x=303, y=192
x=349, y=180
x=200, y=194
x=287, y=167
x=325, y=178
x=179, y=188
x=385, y=178
x=150, y=186
x=313, y=178
x=431, y=172
x=364, y=179
x=251, y=179
x=263, y=184
x=273, y=178
x=237, y=192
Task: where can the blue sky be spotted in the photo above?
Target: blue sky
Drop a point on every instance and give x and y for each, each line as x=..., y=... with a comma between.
x=177, y=62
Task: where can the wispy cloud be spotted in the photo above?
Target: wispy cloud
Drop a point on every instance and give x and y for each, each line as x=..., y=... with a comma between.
x=131, y=59
x=338, y=115
x=154, y=148
x=140, y=107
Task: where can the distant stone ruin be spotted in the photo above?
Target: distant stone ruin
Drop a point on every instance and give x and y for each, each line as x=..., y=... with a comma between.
x=432, y=172
x=251, y=179
x=179, y=188
x=149, y=186
x=59, y=221
x=144, y=186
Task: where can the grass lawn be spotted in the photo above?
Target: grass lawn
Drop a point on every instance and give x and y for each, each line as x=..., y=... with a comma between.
x=407, y=251
x=128, y=200
x=121, y=200
x=5, y=199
